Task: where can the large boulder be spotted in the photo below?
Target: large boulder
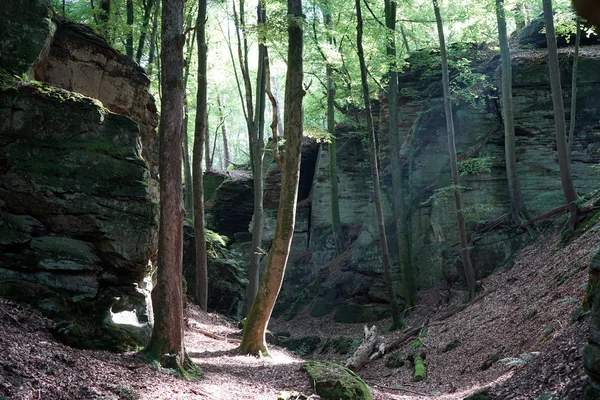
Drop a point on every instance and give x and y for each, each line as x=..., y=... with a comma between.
x=78, y=206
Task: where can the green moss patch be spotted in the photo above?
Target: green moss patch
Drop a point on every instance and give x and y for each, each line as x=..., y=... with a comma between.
x=335, y=382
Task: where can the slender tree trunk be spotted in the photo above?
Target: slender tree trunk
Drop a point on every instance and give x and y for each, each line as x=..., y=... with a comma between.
x=129, y=36
x=145, y=22
x=257, y=144
x=167, y=341
x=188, y=193
x=253, y=339
x=64, y=12
x=516, y=200
x=336, y=221
x=153, y=37
x=559, y=116
x=226, y=156
x=375, y=174
x=409, y=288
x=103, y=17
x=207, y=158
x=573, y=113
x=199, y=135
x=404, y=39
x=464, y=245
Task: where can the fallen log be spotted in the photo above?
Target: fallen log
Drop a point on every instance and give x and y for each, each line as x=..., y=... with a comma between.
x=544, y=216
x=361, y=356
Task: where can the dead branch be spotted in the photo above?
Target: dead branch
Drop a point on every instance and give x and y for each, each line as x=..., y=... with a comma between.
x=544, y=216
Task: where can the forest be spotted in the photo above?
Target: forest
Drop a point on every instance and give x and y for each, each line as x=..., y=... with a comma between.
x=318, y=199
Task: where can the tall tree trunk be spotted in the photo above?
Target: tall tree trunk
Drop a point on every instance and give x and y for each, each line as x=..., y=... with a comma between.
x=103, y=18
x=257, y=145
x=464, y=245
x=167, y=341
x=199, y=135
x=207, y=157
x=253, y=339
x=516, y=200
x=336, y=221
x=64, y=12
x=375, y=173
x=129, y=36
x=148, y=5
x=559, y=116
x=573, y=113
x=188, y=193
x=226, y=156
x=409, y=288
x=153, y=37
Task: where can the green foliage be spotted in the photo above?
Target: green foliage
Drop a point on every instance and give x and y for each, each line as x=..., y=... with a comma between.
x=475, y=166
x=317, y=133
x=444, y=193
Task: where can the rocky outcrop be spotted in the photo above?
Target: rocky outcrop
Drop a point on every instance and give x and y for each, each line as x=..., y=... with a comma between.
x=350, y=286
x=78, y=212
x=80, y=61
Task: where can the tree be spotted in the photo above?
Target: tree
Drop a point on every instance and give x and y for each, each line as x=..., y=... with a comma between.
x=148, y=5
x=464, y=249
x=559, y=117
x=226, y=156
x=197, y=175
x=385, y=255
x=167, y=341
x=400, y=213
x=129, y=35
x=253, y=338
x=254, y=115
x=516, y=200
x=573, y=113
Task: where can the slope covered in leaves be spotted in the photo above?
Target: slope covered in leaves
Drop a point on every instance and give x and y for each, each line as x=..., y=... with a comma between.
x=522, y=340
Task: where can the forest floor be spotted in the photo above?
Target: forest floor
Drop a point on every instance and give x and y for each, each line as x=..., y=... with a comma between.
x=517, y=342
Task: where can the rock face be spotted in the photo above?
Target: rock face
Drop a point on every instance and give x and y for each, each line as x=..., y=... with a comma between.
x=350, y=286
x=78, y=216
x=80, y=61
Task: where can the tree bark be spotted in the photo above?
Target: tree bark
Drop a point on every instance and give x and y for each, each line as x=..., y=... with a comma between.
x=253, y=339
x=255, y=124
x=559, y=116
x=464, y=245
x=375, y=174
x=409, y=288
x=573, y=113
x=103, y=18
x=226, y=155
x=516, y=199
x=153, y=37
x=188, y=193
x=145, y=22
x=199, y=135
x=167, y=341
x=129, y=36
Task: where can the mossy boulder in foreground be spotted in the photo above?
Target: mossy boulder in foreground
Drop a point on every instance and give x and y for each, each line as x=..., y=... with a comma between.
x=334, y=382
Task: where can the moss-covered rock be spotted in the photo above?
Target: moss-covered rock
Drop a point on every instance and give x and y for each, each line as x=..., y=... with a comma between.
x=335, y=382
x=25, y=30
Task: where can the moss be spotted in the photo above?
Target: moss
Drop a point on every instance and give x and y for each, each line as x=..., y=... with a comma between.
x=333, y=382
x=419, y=368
